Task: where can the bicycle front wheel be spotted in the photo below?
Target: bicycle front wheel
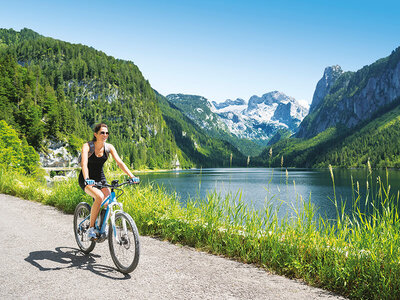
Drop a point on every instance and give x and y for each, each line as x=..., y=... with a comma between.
x=123, y=240
x=81, y=226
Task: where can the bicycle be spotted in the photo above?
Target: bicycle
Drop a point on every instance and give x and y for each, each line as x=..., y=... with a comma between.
x=123, y=236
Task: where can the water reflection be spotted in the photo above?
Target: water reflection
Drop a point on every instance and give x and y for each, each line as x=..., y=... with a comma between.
x=281, y=187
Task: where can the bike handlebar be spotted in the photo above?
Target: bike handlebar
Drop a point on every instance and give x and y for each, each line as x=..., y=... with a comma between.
x=114, y=184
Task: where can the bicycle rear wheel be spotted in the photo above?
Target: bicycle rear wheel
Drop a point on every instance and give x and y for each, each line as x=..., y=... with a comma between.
x=124, y=243
x=81, y=226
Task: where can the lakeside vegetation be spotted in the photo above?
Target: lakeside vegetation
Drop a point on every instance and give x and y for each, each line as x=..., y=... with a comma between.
x=354, y=255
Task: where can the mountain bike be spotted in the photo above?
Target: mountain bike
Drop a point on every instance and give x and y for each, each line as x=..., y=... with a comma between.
x=122, y=234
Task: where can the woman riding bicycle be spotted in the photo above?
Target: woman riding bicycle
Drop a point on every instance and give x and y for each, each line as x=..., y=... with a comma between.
x=94, y=155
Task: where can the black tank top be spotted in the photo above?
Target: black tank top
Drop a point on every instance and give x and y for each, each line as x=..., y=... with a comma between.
x=95, y=166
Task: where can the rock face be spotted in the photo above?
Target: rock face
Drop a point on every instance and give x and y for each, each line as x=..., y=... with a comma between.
x=354, y=97
x=228, y=102
x=324, y=85
x=58, y=156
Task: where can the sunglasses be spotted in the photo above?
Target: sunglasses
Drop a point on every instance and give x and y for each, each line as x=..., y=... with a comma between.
x=104, y=133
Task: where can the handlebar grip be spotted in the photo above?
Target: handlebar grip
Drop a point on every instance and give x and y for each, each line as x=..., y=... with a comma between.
x=90, y=182
x=134, y=180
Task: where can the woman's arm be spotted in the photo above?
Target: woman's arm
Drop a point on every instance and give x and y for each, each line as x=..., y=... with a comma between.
x=119, y=161
x=84, y=160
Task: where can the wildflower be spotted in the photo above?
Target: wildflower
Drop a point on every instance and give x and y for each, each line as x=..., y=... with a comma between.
x=331, y=170
x=358, y=188
x=281, y=161
x=270, y=152
x=369, y=167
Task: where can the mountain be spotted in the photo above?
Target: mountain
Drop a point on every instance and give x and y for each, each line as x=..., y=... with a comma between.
x=248, y=126
x=200, y=111
x=56, y=91
x=195, y=141
x=261, y=117
x=354, y=118
x=352, y=98
x=53, y=92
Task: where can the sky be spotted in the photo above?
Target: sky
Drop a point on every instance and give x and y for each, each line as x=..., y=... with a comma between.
x=222, y=49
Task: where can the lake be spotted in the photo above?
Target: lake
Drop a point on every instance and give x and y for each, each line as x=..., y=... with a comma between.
x=258, y=185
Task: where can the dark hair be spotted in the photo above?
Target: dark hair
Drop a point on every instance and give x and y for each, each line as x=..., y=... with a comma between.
x=97, y=128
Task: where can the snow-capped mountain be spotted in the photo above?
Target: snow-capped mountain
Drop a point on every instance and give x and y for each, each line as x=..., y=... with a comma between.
x=261, y=117
x=257, y=120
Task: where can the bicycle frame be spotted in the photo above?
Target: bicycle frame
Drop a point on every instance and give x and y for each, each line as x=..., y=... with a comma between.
x=112, y=202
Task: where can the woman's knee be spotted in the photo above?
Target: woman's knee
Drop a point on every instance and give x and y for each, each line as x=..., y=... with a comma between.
x=99, y=197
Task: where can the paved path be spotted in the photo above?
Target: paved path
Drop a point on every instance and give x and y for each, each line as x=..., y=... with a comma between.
x=39, y=259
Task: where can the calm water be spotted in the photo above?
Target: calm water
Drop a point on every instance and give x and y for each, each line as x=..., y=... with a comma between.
x=258, y=185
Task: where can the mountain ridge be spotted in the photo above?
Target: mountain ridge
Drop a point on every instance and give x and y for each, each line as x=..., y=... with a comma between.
x=355, y=97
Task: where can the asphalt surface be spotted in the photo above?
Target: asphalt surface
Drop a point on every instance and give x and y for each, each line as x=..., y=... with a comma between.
x=40, y=259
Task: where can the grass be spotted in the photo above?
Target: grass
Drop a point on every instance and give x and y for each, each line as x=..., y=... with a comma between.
x=356, y=255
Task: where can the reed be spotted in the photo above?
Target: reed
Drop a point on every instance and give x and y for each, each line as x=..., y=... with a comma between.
x=356, y=255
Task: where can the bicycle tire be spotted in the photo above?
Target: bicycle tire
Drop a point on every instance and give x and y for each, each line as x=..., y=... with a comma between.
x=82, y=210
x=125, y=254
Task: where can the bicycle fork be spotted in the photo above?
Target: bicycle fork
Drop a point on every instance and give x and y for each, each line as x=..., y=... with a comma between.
x=112, y=219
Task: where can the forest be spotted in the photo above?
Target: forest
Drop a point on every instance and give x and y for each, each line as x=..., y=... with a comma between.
x=52, y=90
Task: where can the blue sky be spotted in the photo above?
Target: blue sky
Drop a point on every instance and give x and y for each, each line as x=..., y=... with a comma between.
x=222, y=49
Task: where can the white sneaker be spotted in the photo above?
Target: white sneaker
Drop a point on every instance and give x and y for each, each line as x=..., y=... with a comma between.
x=92, y=233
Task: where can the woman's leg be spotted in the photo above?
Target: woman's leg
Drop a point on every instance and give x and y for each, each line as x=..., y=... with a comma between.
x=98, y=199
x=106, y=192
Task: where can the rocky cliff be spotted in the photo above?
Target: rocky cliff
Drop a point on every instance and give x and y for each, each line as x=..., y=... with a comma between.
x=324, y=85
x=354, y=97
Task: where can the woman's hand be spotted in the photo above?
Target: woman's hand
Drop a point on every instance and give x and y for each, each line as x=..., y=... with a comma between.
x=89, y=181
x=134, y=180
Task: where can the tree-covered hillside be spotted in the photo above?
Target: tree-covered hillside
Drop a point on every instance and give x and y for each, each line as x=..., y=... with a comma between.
x=54, y=90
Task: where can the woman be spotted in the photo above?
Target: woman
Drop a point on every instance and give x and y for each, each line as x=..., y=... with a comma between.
x=94, y=155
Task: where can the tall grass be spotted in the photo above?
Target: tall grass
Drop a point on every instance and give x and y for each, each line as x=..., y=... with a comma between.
x=356, y=255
